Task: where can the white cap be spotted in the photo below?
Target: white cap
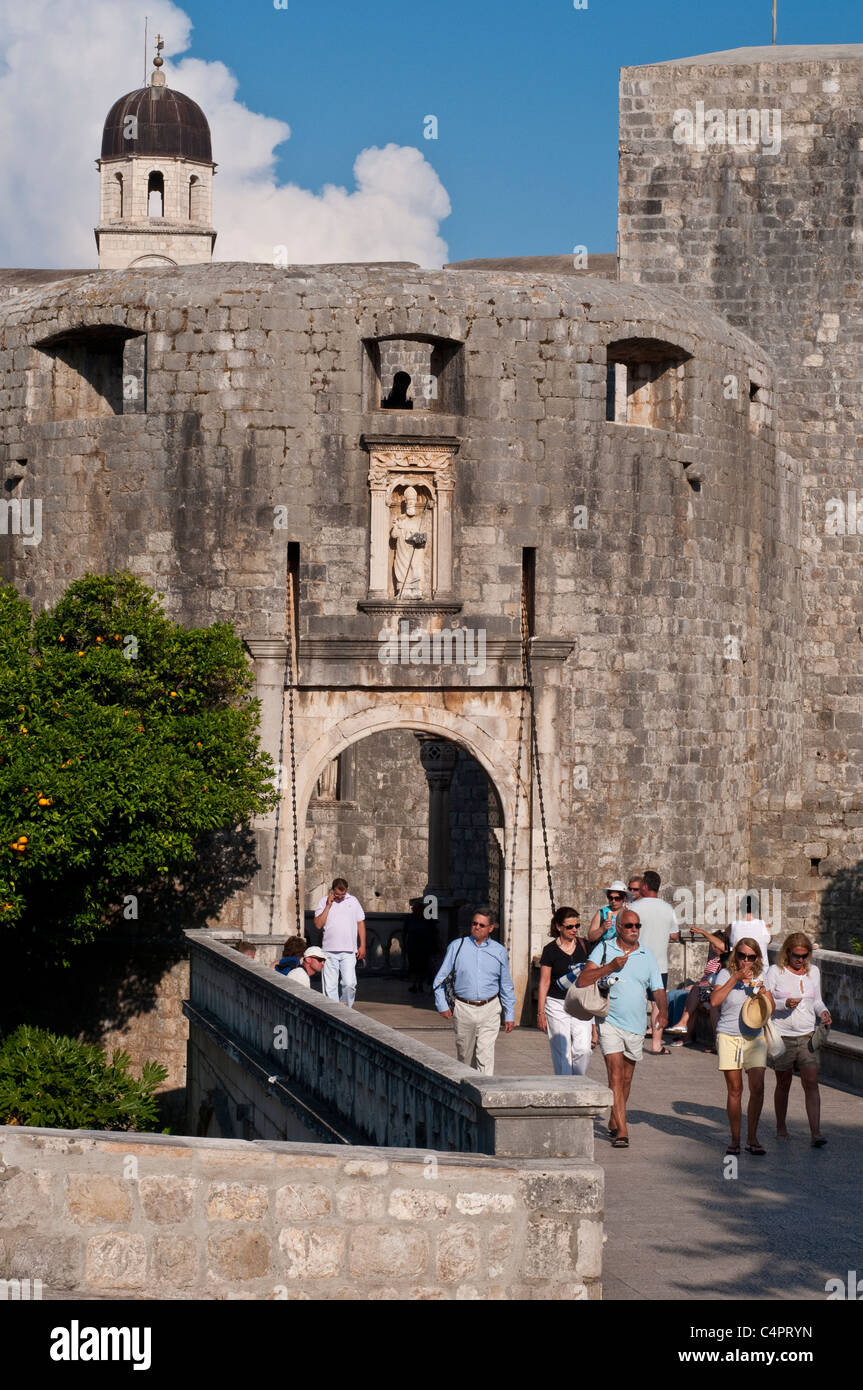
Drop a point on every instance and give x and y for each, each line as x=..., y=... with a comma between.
x=316, y=953
x=617, y=887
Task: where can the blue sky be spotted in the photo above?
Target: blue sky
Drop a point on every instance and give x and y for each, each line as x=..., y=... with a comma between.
x=525, y=93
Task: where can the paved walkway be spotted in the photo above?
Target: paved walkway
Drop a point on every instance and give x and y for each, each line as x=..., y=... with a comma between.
x=677, y=1227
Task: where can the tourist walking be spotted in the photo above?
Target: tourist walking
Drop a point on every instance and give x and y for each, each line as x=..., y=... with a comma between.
x=633, y=889
x=481, y=984
x=744, y=1007
x=559, y=965
x=659, y=925
x=603, y=924
x=342, y=920
x=796, y=987
x=630, y=971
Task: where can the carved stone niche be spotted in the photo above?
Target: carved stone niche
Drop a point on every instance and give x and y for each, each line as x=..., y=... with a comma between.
x=411, y=484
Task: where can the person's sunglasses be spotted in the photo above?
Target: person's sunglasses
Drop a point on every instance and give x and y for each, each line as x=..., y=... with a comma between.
x=614, y=895
x=746, y=955
x=631, y=926
x=799, y=955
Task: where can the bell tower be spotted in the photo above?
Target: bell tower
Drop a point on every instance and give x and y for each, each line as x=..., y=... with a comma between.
x=156, y=175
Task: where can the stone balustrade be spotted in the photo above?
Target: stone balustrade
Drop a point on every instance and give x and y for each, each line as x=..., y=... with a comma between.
x=265, y=1055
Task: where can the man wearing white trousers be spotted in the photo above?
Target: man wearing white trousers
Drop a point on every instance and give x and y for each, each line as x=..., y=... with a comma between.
x=342, y=920
x=482, y=984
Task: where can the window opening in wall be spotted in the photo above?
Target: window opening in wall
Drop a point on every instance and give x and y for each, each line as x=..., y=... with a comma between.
x=156, y=195
x=759, y=403
x=91, y=371
x=814, y=865
x=693, y=479
x=648, y=383
x=17, y=475
x=414, y=373
x=528, y=587
x=119, y=178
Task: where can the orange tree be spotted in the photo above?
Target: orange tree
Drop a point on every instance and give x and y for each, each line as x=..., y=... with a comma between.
x=126, y=744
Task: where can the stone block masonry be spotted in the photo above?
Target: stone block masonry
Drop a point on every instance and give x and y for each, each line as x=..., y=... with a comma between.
x=152, y=1216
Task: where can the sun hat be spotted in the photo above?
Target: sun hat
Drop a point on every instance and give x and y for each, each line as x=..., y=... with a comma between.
x=316, y=953
x=617, y=887
x=756, y=1011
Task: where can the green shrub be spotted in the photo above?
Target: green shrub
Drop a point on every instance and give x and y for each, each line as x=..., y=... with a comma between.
x=53, y=1082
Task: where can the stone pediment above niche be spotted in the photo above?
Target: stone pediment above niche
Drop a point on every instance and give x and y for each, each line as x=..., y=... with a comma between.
x=411, y=484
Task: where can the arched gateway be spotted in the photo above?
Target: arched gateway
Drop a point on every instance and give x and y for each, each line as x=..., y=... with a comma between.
x=485, y=724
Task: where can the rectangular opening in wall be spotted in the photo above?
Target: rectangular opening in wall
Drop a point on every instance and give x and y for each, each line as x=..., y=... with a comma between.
x=528, y=588
x=292, y=597
x=649, y=381
x=414, y=373
x=91, y=372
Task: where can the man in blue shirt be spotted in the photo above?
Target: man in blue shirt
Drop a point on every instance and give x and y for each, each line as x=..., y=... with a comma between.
x=631, y=973
x=482, y=983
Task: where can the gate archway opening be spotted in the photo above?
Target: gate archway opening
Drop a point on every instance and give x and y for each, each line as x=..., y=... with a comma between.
x=415, y=824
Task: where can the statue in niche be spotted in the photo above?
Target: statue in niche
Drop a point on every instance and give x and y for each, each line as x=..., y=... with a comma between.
x=411, y=539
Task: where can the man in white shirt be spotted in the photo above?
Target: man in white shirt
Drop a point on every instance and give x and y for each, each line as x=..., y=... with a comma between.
x=659, y=925
x=313, y=962
x=342, y=920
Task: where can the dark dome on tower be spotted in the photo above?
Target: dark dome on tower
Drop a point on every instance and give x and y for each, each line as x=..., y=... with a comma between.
x=169, y=123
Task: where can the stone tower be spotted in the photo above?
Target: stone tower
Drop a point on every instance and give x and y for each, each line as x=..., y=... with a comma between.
x=740, y=187
x=156, y=174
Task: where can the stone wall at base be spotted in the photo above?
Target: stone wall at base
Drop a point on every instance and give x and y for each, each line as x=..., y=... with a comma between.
x=153, y=1216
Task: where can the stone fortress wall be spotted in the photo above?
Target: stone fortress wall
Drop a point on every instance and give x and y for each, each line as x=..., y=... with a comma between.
x=771, y=238
x=663, y=525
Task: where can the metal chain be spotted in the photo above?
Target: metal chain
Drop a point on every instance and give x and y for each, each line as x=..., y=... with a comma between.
x=526, y=640
x=289, y=686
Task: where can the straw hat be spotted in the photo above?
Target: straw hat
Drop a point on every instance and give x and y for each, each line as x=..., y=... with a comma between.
x=756, y=1010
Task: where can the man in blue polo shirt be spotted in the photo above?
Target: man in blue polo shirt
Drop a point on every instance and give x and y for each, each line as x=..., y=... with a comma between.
x=631, y=972
x=482, y=984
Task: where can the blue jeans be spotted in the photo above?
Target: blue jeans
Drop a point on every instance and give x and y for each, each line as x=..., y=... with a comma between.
x=341, y=966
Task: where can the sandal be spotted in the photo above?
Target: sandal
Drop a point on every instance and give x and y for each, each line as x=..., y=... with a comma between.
x=612, y=1129
x=819, y=1141
x=755, y=1149
x=733, y=1149
x=663, y=1052
x=621, y=1142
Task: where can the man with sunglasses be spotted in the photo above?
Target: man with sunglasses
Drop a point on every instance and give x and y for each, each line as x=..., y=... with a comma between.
x=631, y=973
x=482, y=983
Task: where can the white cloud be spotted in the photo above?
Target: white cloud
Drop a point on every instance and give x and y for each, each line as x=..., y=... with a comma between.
x=62, y=69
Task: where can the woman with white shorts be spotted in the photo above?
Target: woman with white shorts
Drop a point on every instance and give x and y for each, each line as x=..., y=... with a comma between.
x=569, y=1038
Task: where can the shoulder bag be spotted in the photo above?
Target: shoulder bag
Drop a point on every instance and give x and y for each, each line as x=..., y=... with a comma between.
x=448, y=985
x=588, y=1001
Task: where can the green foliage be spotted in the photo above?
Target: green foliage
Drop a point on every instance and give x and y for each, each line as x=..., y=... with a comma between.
x=54, y=1082
x=125, y=742
x=855, y=946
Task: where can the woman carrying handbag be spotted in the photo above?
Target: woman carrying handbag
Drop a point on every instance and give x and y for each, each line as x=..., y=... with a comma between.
x=559, y=966
x=801, y=1015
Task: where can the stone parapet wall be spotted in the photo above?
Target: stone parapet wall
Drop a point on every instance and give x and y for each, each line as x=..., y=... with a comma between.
x=265, y=1053
x=151, y=1216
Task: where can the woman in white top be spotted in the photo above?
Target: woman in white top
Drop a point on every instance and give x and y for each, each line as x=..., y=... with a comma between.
x=796, y=987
